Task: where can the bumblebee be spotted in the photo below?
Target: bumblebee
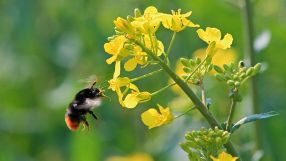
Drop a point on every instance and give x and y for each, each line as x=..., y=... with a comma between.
x=85, y=100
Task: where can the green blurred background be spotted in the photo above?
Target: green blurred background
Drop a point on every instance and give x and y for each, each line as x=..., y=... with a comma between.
x=47, y=46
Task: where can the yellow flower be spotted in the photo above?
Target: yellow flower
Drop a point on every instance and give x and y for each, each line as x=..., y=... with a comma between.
x=139, y=57
x=152, y=118
x=224, y=157
x=135, y=97
x=132, y=99
x=153, y=42
x=115, y=84
x=214, y=35
x=220, y=58
x=149, y=22
x=123, y=25
x=116, y=48
x=177, y=21
x=134, y=157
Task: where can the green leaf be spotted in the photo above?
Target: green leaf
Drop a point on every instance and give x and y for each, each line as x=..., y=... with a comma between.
x=253, y=118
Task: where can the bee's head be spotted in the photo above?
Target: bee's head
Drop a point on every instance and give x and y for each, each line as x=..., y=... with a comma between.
x=88, y=93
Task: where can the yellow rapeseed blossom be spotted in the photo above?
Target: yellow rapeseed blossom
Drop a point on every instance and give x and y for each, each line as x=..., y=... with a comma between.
x=224, y=157
x=134, y=157
x=139, y=57
x=211, y=35
x=220, y=58
x=132, y=99
x=152, y=118
x=149, y=22
x=116, y=48
x=123, y=25
x=116, y=83
x=177, y=21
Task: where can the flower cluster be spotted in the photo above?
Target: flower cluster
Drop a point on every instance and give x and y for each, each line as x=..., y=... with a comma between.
x=135, y=38
x=235, y=76
x=204, y=143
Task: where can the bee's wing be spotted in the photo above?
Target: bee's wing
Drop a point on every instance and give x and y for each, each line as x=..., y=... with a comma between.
x=88, y=81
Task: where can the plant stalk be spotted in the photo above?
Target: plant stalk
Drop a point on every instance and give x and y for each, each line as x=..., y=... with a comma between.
x=230, y=115
x=146, y=75
x=250, y=60
x=197, y=102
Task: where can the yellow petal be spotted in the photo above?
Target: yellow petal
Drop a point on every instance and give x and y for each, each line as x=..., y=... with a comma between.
x=226, y=42
x=130, y=64
x=150, y=10
x=117, y=69
x=210, y=35
x=187, y=14
x=111, y=59
x=151, y=118
x=133, y=87
x=144, y=96
x=131, y=100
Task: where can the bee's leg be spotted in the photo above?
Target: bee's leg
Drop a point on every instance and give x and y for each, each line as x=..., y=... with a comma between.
x=85, y=123
x=92, y=114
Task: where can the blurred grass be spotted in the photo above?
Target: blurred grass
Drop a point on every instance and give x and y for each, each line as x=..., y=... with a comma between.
x=47, y=46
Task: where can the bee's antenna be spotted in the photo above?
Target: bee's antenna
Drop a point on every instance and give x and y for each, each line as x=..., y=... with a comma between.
x=93, y=84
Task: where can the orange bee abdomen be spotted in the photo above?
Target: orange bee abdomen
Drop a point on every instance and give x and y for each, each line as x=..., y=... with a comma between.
x=71, y=124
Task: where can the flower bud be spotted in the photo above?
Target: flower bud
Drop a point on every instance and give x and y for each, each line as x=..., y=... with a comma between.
x=249, y=71
x=217, y=69
x=241, y=64
x=185, y=62
x=187, y=70
x=257, y=68
x=137, y=12
x=230, y=82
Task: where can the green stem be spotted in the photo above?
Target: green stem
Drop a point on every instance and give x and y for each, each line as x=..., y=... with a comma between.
x=146, y=75
x=203, y=93
x=190, y=109
x=171, y=44
x=197, y=102
x=250, y=60
x=162, y=89
x=230, y=115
